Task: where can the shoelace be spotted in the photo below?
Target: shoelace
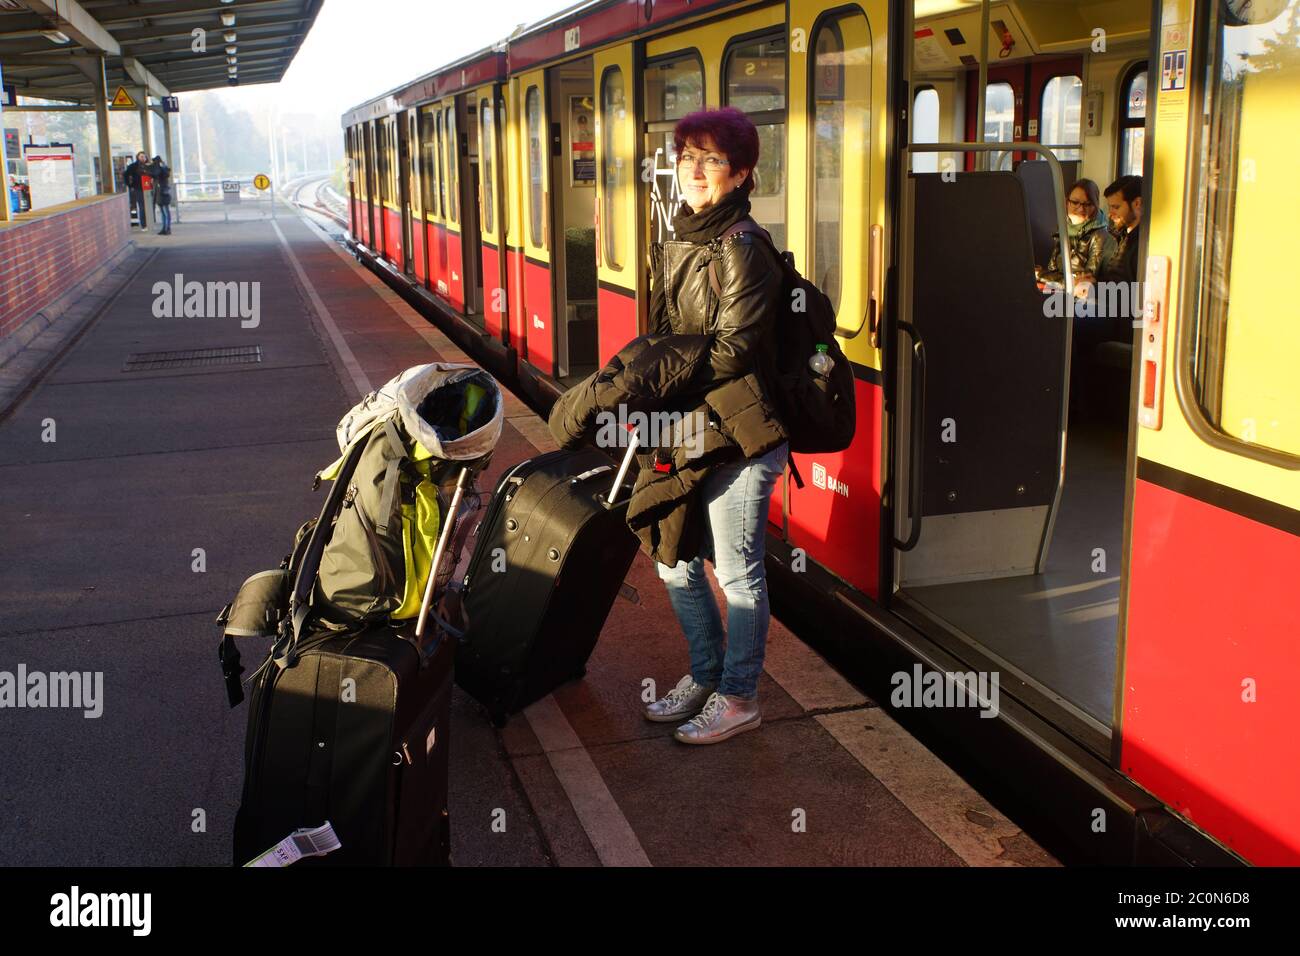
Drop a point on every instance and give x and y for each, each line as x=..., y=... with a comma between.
x=712, y=707
x=679, y=693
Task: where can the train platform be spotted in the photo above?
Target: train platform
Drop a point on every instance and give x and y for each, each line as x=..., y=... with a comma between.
x=162, y=459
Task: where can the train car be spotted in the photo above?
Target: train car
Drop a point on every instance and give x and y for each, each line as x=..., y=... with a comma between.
x=1095, y=500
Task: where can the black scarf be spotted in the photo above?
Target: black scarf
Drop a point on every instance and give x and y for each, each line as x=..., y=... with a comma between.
x=707, y=224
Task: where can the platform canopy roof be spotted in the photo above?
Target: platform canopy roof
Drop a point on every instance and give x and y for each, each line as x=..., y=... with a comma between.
x=51, y=48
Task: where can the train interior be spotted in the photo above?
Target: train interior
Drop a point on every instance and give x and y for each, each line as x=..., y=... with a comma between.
x=1018, y=558
x=571, y=94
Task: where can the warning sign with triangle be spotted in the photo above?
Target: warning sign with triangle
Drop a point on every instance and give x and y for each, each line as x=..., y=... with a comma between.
x=122, y=100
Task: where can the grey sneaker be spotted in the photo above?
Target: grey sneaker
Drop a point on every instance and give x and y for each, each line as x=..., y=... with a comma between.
x=684, y=699
x=722, y=717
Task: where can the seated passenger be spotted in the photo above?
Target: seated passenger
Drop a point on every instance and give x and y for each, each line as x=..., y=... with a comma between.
x=1124, y=199
x=1086, y=235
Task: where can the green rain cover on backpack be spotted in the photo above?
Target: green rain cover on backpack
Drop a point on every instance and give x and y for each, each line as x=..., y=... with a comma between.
x=419, y=431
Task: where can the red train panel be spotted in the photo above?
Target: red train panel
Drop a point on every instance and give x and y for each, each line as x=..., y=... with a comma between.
x=1213, y=613
x=417, y=251
x=515, y=296
x=393, y=237
x=835, y=517
x=494, y=301
x=455, y=271
x=617, y=321
x=537, y=316
x=437, y=258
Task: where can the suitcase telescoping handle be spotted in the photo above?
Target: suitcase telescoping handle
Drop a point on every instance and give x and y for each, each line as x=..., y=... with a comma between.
x=622, y=469
x=447, y=528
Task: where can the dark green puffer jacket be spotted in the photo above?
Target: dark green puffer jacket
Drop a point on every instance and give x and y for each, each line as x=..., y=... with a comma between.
x=719, y=423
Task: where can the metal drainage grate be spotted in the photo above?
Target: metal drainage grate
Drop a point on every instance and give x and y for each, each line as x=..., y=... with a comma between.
x=192, y=358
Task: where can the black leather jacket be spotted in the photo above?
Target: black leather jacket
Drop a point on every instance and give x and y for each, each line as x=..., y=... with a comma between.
x=682, y=302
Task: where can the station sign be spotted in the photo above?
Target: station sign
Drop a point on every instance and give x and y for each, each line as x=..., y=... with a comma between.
x=230, y=190
x=171, y=104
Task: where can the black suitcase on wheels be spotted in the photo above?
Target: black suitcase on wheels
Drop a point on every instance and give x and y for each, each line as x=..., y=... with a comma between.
x=349, y=727
x=551, y=555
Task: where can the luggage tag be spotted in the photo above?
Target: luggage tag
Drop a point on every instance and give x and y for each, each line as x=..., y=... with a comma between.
x=309, y=841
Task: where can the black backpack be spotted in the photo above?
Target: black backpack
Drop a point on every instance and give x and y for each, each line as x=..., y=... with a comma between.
x=819, y=413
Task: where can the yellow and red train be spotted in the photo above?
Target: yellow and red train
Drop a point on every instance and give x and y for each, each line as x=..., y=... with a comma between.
x=1104, y=512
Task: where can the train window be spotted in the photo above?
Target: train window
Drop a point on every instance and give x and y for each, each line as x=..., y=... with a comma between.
x=533, y=117
x=427, y=145
x=999, y=121
x=841, y=131
x=1133, y=120
x=441, y=171
x=613, y=167
x=488, y=183
x=756, y=75
x=1059, y=117
x=755, y=72
x=673, y=88
x=1243, y=363
x=413, y=172
x=925, y=129
x=453, y=196
x=381, y=134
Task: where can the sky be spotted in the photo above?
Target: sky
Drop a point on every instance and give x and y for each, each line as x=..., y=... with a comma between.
x=358, y=49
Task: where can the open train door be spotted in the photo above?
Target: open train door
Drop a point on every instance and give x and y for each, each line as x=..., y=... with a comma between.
x=617, y=269
x=1210, y=650
x=838, y=149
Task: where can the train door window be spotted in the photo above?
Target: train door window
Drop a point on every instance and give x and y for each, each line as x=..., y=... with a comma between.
x=488, y=154
x=440, y=157
x=674, y=86
x=533, y=119
x=755, y=72
x=999, y=121
x=613, y=173
x=925, y=128
x=1132, y=120
x=1243, y=362
x=1059, y=117
x=453, y=179
x=841, y=133
x=427, y=145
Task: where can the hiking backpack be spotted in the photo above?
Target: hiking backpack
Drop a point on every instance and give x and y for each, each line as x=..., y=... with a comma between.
x=818, y=412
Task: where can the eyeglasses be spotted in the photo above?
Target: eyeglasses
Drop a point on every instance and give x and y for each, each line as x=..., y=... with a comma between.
x=1079, y=205
x=711, y=164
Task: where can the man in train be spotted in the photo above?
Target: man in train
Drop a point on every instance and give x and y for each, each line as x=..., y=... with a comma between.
x=1124, y=203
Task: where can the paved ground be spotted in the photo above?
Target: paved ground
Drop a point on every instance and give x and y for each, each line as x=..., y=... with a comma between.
x=160, y=491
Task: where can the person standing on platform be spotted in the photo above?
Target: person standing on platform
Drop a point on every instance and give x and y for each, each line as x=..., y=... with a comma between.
x=162, y=192
x=133, y=177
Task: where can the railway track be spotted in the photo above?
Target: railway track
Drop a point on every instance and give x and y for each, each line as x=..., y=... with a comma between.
x=315, y=195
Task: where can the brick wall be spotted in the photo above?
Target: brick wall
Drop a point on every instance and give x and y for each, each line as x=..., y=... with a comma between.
x=43, y=259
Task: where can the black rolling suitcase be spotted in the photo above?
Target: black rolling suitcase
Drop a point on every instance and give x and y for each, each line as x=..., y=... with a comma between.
x=349, y=728
x=551, y=555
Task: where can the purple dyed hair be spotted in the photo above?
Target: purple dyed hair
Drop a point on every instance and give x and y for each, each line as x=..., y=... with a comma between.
x=733, y=132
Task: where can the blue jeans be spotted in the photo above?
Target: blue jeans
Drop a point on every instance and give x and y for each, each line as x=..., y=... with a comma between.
x=166, y=215
x=736, y=502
